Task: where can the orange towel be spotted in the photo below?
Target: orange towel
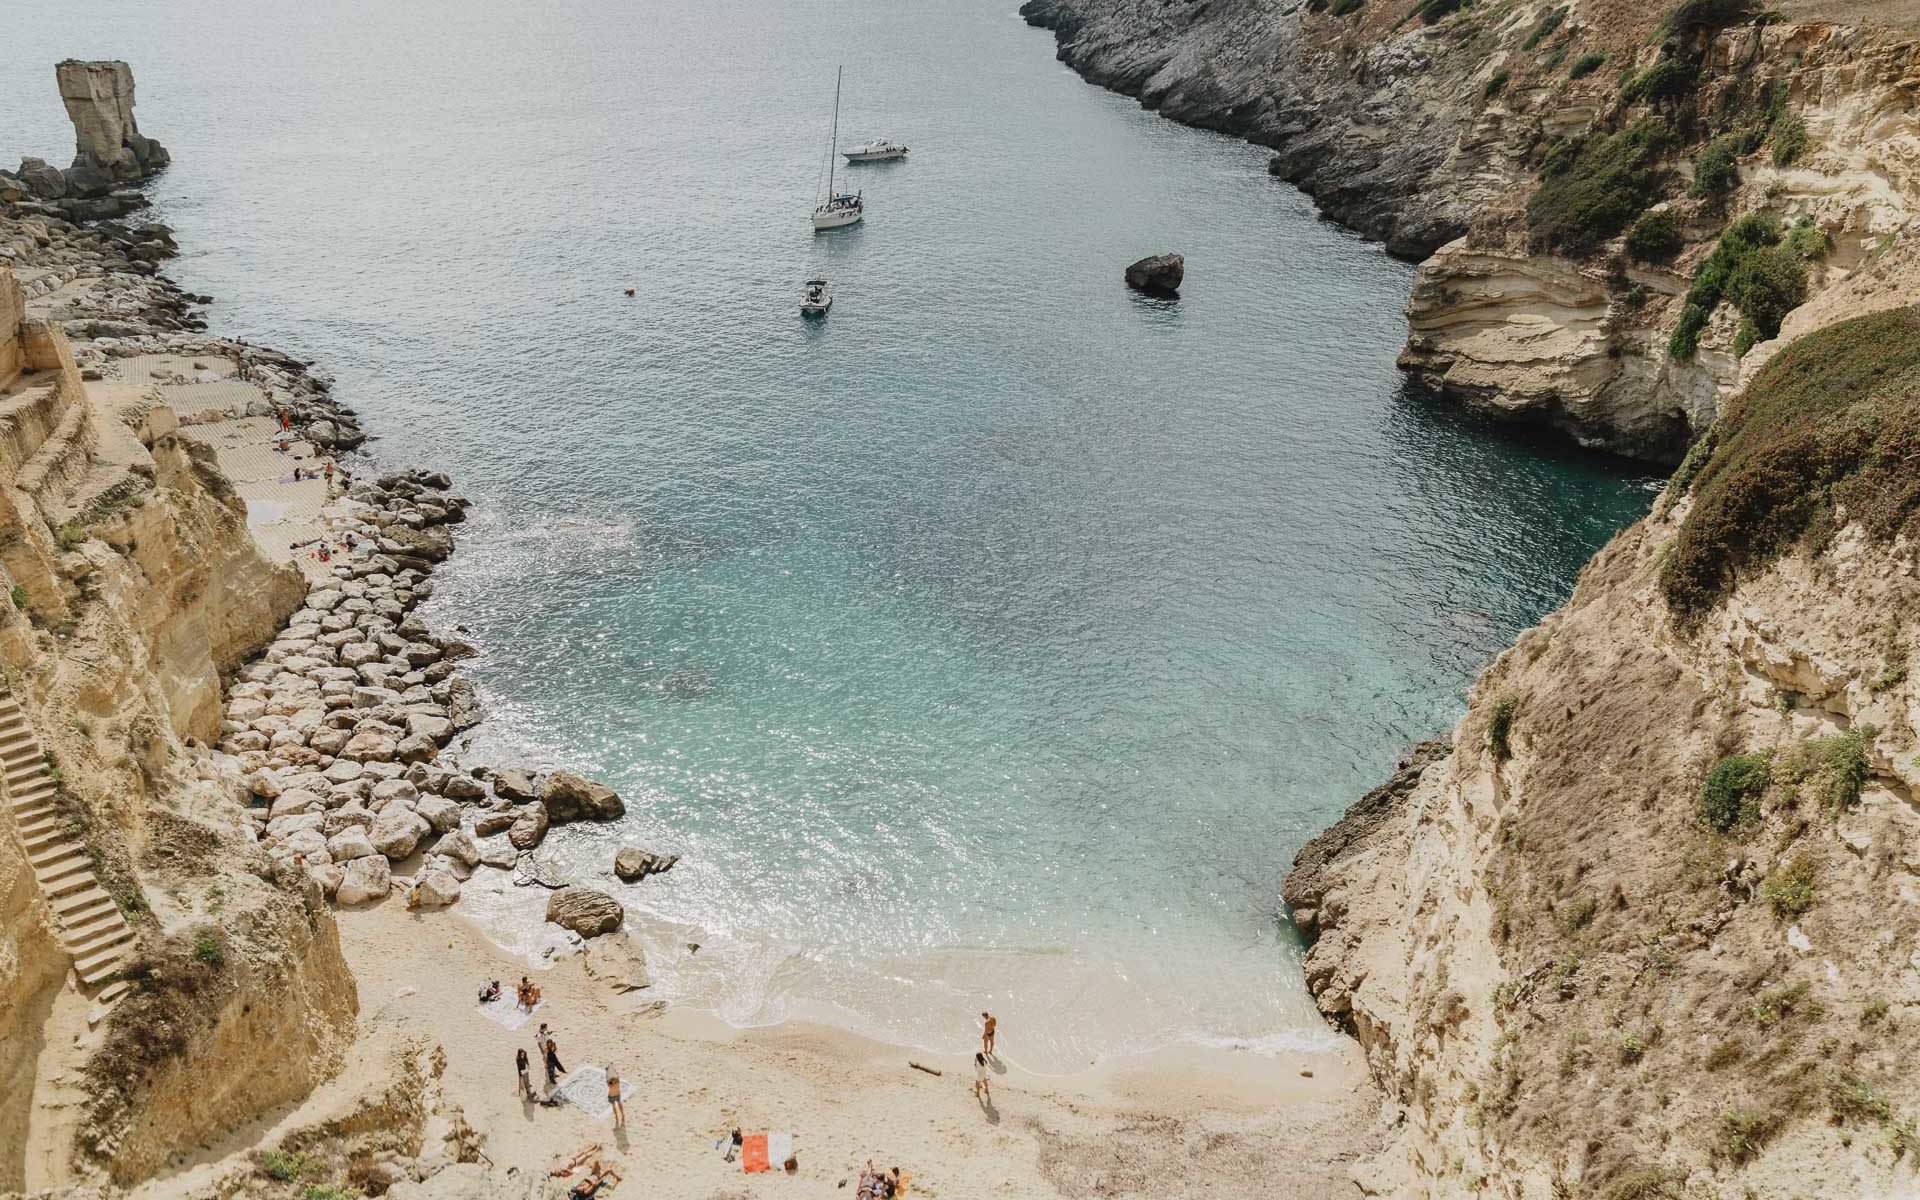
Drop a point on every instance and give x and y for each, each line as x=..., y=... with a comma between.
x=753, y=1153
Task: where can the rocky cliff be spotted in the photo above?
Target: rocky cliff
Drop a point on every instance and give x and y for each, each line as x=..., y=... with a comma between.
x=1569, y=175
x=1649, y=925
x=110, y=153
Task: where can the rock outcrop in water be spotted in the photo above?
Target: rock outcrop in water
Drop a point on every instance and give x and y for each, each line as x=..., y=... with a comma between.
x=1158, y=275
x=108, y=147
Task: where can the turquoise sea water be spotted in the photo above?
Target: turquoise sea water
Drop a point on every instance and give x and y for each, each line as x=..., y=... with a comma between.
x=993, y=643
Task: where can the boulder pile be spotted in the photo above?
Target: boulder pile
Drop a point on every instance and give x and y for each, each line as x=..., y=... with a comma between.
x=340, y=725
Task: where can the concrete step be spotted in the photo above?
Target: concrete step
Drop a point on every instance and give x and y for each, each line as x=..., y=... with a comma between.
x=76, y=900
x=103, y=1003
x=100, y=966
x=66, y=876
x=38, y=789
x=95, y=911
x=93, y=941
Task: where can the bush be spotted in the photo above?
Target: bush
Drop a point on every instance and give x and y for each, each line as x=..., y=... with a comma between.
x=1766, y=285
x=1742, y=1130
x=206, y=948
x=1730, y=799
x=286, y=1165
x=1592, y=188
x=1433, y=10
x=1808, y=241
x=1716, y=170
x=1710, y=282
x=1829, y=771
x=1586, y=65
x=19, y=597
x=71, y=536
x=1668, y=79
x=1788, y=139
x=1655, y=238
x=1500, y=727
x=1745, y=338
x=1710, y=15
x=1789, y=891
x=1832, y=423
x=1342, y=7
x=1545, y=28
x=1495, y=85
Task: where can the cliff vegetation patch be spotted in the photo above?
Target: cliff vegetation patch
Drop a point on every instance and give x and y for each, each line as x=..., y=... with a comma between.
x=1730, y=799
x=1827, y=431
x=1592, y=188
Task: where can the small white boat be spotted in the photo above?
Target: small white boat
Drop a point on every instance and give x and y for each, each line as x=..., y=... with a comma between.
x=879, y=150
x=839, y=208
x=817, y=299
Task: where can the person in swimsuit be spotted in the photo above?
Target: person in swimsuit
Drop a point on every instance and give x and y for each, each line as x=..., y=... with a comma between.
x=613, y=1098
x=982, y=1091
x=987, y=1026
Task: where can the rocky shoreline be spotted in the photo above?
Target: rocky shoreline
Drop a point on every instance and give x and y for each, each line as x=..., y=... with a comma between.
x=344, y=726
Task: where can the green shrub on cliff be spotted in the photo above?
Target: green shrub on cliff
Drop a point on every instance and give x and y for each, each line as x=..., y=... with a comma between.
x=1831, y=424
x=1828, y=771
x=1808, y=241
x=1790, y=891
x=1766, y=285
x=1655, y=238
x=1495, y=85
x=1586, y=65
x=1500, y=728
x=1591, y=188
x=1712, y=281
x=1693, y=16
x=1788, y=139
x=1717, y=169
x=1545, y=28
x=1730, y=799
x=1668, y=79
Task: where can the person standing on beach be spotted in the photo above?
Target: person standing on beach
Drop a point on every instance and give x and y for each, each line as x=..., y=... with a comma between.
x=613, y=1098
x=520, y=1062
x=988, y=1025
x=555, y=1069
x=982, y=1091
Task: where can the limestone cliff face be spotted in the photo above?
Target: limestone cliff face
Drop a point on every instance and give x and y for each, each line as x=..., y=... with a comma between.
x=1432, y=130
x=1650, y=925
x=133, y=584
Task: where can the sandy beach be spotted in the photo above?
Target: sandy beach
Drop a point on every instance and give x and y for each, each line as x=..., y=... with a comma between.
x=1182, y=1122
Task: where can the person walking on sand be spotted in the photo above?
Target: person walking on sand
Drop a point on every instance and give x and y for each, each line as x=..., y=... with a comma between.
x=613, y=1098
x=555, y=1069
x=987, y=1026
x=520, y=1062
x=982, y=1090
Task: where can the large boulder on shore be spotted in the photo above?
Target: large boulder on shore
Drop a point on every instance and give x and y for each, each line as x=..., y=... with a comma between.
x=367, y=878
x=516, y=786
x=571, y=797
x=1158, y=274
x=585, y=911
x=529, y=828
x=397, y=831
x=632, y=864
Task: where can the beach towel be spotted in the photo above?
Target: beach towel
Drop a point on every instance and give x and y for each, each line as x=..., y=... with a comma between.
x=505, y=1010
x=753, y=1153
x=586, y=1089
x=779, y=1148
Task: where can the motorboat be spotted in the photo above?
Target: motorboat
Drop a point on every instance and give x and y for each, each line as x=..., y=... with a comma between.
x=879, y=150
x=817, y=299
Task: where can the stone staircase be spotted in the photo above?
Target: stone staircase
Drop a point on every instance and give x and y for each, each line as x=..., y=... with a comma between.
x=89, y=923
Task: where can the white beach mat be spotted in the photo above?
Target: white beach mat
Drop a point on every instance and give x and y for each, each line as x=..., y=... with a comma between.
x=779, y=1149
x=585, y=1088
x=506, y=1010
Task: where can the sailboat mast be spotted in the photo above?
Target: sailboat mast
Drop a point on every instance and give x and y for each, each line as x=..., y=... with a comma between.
x=833, y=142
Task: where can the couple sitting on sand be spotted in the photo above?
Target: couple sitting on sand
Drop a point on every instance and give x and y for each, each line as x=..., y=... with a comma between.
x=881, y=1185
x=527, y=994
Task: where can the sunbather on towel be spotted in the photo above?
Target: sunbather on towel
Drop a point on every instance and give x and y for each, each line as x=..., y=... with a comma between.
x=598, y=1177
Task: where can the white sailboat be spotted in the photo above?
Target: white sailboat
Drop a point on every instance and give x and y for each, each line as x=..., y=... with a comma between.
x=839, y=209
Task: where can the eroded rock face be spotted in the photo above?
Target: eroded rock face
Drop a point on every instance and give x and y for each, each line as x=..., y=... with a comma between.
x=585, y=911
x=108, y=146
